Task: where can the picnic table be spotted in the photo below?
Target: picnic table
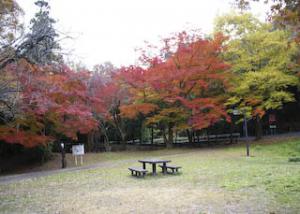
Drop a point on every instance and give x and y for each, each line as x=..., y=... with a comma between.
x=154, y=162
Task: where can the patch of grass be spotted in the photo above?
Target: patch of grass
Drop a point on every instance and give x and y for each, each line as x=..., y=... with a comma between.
x=212, y=181
x=268, y=170
x=284, y=148
x=296, y=159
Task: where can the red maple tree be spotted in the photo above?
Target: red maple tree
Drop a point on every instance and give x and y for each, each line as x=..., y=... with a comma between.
x=52, y=102
x=182, y=87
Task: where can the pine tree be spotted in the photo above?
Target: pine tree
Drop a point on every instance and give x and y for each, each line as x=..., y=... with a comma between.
x=41, y=46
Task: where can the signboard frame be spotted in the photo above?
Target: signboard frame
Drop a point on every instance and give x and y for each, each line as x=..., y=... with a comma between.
x=78, y=150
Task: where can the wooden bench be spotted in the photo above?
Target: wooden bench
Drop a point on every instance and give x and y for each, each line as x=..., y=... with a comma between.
x=138, y=172
x=173, y=168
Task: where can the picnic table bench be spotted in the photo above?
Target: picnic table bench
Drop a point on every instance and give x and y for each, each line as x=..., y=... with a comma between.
x=171, y=167
x=141, y=171
x=153, y=162
x=138, y=172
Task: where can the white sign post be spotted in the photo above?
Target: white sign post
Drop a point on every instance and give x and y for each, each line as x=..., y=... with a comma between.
x=78, y=150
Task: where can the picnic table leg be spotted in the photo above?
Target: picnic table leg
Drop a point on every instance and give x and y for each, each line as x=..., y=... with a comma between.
x=144, y=165
x=164, y=169
x=154, y=169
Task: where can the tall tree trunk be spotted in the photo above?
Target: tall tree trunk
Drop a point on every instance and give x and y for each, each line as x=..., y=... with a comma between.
x=193, y=136
x=90, y=141
x=141, y=134
x=164, y=135
x=208, y=138
x=105, y=140
x=152, y=135
x=258, y=128
x=133, y=138
x=170, y=136
x=189, y=135
x=117, y=121
x=231, y=131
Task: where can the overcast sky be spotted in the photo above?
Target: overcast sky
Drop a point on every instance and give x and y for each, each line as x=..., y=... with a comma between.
x=110, y=30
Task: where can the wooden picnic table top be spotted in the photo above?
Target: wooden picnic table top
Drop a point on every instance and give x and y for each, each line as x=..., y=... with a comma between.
x=154, y=161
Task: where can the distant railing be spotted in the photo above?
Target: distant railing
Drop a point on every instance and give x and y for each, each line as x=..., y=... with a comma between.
x=197, y=139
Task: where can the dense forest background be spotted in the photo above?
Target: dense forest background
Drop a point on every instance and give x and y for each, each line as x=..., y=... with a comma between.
x=193, y=85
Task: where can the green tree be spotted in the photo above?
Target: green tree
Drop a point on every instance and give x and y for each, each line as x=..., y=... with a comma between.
x=285, y=14
x=10, y=28
x=262, y=61
x=41, y=46
x=9, y=21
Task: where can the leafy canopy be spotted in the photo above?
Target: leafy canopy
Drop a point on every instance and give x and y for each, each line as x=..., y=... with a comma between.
x=262, y=62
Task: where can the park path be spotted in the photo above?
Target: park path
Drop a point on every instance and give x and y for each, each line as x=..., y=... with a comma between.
x=8, y=179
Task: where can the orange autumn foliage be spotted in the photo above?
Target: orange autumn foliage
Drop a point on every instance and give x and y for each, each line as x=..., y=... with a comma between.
x=131, y=111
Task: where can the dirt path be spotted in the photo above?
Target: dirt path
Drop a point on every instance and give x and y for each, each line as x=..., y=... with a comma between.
x=8, y=179
x=15, y=178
